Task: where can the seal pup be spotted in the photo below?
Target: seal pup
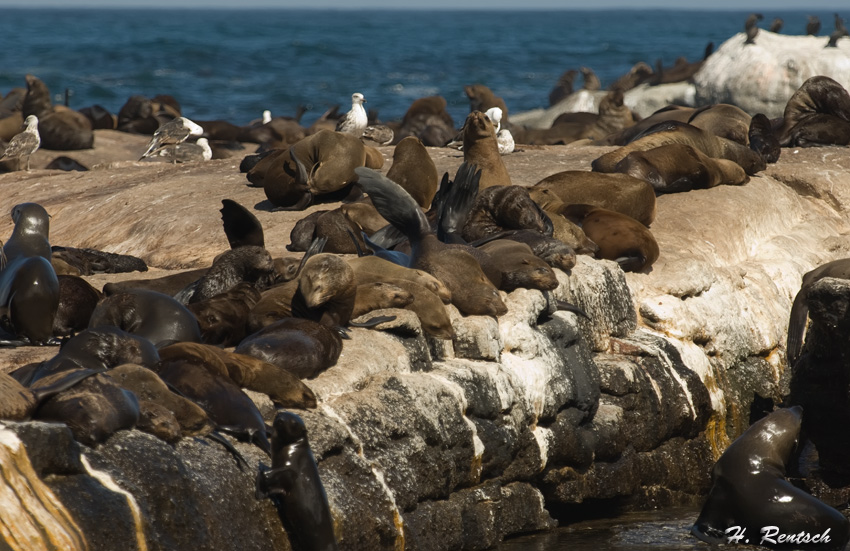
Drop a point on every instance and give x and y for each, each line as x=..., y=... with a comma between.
x=750, y=496
x=294, y=481
x=173, y=132
x=751, y=27
x=471, y=291
x=246, y=263
x=620, y=238
x=29, y=288
x=24, y=144
x=77, y=301
x=223, y=318
x=501, y=208
x=355, y=121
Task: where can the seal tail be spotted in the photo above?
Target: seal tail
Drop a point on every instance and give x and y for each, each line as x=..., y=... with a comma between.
x=394, y=203
x=797, y=327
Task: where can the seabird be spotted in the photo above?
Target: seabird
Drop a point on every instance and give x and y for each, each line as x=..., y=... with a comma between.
x=173, y=132
x=813, y=26
x=751, y=27
x=379, y=133
x=355, y=121
x=504, y=138
x=185, y=152
x=776, y=25
x=24, y=144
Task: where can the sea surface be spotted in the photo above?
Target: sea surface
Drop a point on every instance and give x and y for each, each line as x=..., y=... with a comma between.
x=233, y=64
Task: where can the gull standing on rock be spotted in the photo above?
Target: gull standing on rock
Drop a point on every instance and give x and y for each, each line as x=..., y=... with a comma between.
x=504, y=138
x=24, y=144
x=355, y=121
x=186, y=152
x=172, y=132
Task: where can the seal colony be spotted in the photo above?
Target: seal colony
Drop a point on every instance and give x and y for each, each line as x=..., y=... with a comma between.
x=423, y=238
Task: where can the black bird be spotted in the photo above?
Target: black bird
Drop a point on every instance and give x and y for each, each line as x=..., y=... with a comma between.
x=751, y=27
x=776, y=25
x=833, y=38
x=839, y=24
x=813, y=26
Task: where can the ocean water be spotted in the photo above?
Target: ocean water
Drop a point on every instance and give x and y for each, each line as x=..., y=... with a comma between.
x=233, y=64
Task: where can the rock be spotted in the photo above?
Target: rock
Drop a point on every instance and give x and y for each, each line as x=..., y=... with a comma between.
x=782, y=63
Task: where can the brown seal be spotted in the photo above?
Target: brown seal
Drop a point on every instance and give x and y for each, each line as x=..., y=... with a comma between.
x=678, y=167
x=519, y=266
x=414, y=170
x=481, y=149
x=155, y=316
x=571, y=235
x=482, y=98
x=620, y=238
x=372, y=268
x=18, y=403
x=223, y=319
x=501, y=208
x=564, y=87
x=723, y=120
x=282, y=387
x=300, y=346
x=626, y=135
x=674, y=132
x=379, y=295
x=818, y=113
x=170, y=284
x=77, y=301
x=618, y=192
x=428, y=120
x=94, y=409
x=327, y=161
x=60, y=128
x=471, y=291
x=638, y=74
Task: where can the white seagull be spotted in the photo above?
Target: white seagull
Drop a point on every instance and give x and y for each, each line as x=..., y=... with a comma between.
x=186, y=152
x=173, y=132
x=355, y=121
x=504, y=138
x=24, y=144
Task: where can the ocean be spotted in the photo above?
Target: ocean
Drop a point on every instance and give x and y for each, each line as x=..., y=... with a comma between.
x=233, y=64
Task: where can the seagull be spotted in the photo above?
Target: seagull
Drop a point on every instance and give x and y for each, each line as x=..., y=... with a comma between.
x=185, y=152
x=172, y=132
x=355, y=121
x=378, y=133
x=504, y=138
x=24, y=144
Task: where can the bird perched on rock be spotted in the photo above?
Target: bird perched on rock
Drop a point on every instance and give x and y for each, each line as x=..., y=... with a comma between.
x=355, y=121
x=378, y=133
x=776, y=25
x=24, y=144
x=839, y=25
x=185, y=152
x=173, y=132
x=504, y=138
x=813, y=26
x=751, y=27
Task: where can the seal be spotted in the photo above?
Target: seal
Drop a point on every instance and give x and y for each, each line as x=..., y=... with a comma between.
x=77, y=301
x=59, y=127
x=519, y=266
x=798, y=320
x=157, y=317
x=320, y=165
x=223, y=319
x=372, y=268
x=18, y=403
x=471, y=291
x=136, y=116
x=675, y=168
x=482, y=98
x=501, y=208
x=762, y=138
x=379, y=295
x=750, y=497
x=300, y=346
x=564, y=87
x=414, y=170
x=170, y=284
x=284, y=389
x=675, y=132
x=626, y=135
x=294, y=480
x=620, y=238
x=29, y=288
x=248, y=263
x=818, y=113
x=622, y=193
x=428, y=120
x=92, y=261
x=225, y=403
x=723, y=120
x=481, y=149
x=94, y=409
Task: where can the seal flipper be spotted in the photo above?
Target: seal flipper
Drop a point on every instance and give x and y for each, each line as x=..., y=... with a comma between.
x=394, y=203
x=797, y=327
x=396, y=257
x=240, y=459
x=565, y=306
x=240, y=225
x=377, y=320
x=456, y=202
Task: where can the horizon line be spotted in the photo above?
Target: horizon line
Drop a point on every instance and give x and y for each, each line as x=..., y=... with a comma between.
x=404, y=8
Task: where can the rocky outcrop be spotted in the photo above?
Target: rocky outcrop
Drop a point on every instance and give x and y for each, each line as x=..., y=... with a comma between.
x=761, y=77
x=428, y=444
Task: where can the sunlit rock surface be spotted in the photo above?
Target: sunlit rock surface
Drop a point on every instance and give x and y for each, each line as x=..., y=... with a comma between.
x=427, y=444
x=761, y=77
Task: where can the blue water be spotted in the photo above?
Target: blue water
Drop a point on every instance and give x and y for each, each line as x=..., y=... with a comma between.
x=229, y=64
